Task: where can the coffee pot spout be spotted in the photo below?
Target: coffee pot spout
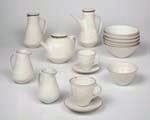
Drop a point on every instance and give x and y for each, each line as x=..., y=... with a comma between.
x=44, y=45
x=77, y=19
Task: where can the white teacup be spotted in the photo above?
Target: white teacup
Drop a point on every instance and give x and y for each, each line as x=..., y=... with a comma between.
x=84, y=89
x=86, y=58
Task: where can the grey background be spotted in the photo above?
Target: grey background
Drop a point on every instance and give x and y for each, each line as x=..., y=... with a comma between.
x=57, y=13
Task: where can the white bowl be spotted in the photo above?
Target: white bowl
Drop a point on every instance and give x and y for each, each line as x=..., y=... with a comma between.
x=121, y=52
x=122, y=73
x=121, y=40
x=121, y=37
x=121, y=30
x=120, y=44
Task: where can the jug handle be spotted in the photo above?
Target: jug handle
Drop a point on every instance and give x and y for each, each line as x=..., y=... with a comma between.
x=44, y=26
x=73, y=38
x=100, y=24
x=11, y=63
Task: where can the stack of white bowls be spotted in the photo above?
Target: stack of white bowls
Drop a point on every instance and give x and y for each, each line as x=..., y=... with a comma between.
x=121, y=40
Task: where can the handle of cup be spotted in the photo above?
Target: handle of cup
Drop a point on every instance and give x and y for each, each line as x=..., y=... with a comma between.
x=11, y=62
x=100, y=24
x=97, y=91
x=44, y=26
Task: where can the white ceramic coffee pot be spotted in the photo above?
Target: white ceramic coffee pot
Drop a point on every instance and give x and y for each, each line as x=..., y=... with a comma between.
x=89, y=31
x=60, y=47
x=48, y=87
x=34, y=31
x=22, y=70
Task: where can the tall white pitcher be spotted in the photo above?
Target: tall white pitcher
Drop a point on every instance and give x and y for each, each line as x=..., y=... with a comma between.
x=48, y=87
x=34, y=31
x=22, y=70
x=89, y=31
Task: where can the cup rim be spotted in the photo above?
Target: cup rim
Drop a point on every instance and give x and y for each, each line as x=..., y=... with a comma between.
x=71, y=81
x=123, y=35
x=23, y=51
x=81, y=52
x=59, y=35
x=109, y=68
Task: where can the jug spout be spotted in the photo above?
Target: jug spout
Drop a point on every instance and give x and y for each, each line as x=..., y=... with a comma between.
x=44, y=45
x=76, y=19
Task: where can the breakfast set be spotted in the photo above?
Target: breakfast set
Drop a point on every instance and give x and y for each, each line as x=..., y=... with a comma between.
x=120, y=40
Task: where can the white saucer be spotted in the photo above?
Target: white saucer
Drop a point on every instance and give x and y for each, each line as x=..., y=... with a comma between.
x=95, y=104
x=77, y=68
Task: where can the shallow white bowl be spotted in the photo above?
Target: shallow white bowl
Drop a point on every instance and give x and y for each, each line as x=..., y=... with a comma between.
x=121, y=30
x=122, y=73
x=120, y=44
x=121, y=40
x=121, y=52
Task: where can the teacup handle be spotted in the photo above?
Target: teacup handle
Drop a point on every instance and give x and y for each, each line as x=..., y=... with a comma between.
x=97, y=91
x=44, y=25
x=11, y=62
x=100, y=24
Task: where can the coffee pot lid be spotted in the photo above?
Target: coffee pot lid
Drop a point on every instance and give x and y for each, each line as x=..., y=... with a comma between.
x=33, y=14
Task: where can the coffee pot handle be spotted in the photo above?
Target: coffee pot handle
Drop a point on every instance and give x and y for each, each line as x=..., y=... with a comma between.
x=11, y=62
x=100, y=24
x=44, y=25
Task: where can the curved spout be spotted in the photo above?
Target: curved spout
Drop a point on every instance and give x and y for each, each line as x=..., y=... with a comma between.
x=44, y=45
x=76, y=18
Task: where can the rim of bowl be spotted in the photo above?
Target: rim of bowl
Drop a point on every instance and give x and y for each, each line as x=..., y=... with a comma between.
x=109, y=68
x=121, y=37
x=106, y=30
x=71, y=80
x=122, y=46
x=122, y=40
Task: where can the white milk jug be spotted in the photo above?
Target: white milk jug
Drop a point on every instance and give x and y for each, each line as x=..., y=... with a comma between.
x=48, y=87
x=22, y=70
x=89, y=31
x=34, y=32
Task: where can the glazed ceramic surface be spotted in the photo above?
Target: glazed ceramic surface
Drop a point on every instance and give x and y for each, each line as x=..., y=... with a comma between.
x=89, y=31
x=122, y=40
x=121, y=52
x=95, y=104
x=86, y=58
x=77, y=68
x=121, y=30
x=84, y=90
x=120, y=44
x=60, y=47
x=122, y=73
x=34, y=32
x=48, y=87
x=22, y=70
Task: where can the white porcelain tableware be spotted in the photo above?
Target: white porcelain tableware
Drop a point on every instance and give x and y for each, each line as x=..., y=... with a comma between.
x=22, y=70
x=122, y=73
x=121, y=40
x=77, y=68
x=89, y=31
x=34, y=32
x=48, y=86
x=121, y=52
x=84, y=90
x=87, y=58
x=94, y=104
x=120, y=44
x=60, y=47
x=121, y=30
